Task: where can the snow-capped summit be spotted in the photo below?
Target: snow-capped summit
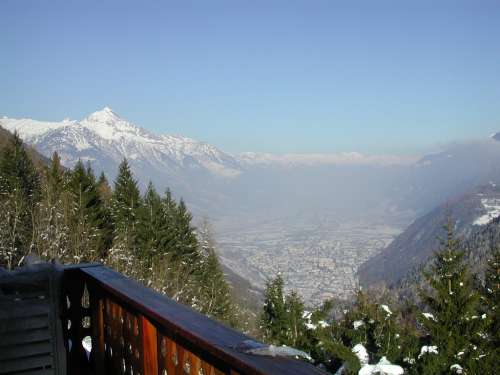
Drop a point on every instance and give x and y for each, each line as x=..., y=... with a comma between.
x=104, y=139
x=109, y=125
x=105, y=115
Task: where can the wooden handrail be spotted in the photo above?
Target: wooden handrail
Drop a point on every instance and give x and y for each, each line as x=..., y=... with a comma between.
x=135, y=330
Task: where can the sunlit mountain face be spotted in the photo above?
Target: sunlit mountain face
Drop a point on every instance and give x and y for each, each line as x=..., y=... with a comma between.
x=315, y=217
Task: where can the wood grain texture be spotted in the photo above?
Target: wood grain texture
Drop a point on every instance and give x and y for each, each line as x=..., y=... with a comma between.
x=149, y=347
x=175, y=338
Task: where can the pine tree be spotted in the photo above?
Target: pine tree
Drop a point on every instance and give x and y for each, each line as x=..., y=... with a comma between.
x=153, y=225
x=52, y=230
x=454, y=327
x=104, y=189
x=490, y=297
x=296, y=330
x=124, y=255
x=86, y=215
x=376, y=327
x=19, y=194
x=186, y=243
x=214, y=293
x=274, y=319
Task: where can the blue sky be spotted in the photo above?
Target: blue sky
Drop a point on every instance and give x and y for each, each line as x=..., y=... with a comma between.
x=275, y=76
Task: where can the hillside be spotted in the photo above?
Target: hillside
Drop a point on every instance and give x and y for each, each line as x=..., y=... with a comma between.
x=416, y=244
x=38, y=159
x=478, y=248
x=314, y=217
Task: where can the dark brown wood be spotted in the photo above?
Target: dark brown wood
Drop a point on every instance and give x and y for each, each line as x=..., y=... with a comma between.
x=72, y=320
x=148, y=333
x=149, y=347
x=98, y=351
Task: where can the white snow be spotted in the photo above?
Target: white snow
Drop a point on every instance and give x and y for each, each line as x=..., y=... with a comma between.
x=280, y=351
x=311, y=326
x=429, y=316
x=344, y=158
x=360, y=351
x=428, y=350
x=491, y=207
x=323, y=324
x=457, y=369
x=28, y=128
x=386, y=309
x=358, y=323
x=383, y=367
x=105, y=135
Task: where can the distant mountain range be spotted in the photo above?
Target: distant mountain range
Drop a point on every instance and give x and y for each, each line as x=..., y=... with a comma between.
x=240, y=192
x=195, y=170
x=104, y=139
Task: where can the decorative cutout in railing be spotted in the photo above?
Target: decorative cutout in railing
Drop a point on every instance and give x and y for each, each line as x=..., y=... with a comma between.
x=136, y=331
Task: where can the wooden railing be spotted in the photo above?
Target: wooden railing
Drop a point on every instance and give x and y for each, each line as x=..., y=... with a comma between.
x=136, y=331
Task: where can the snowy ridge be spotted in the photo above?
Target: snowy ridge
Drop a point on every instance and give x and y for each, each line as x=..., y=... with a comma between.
x=492, y=211
x=105, y=138
x=342, y=158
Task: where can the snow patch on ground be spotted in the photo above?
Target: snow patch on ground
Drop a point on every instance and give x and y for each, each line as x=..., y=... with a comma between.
x=429, y=316
x=492, y=208
x=386, y=309
x=428, y=350
x=357, y=324
x=360, y=351
x=382, y=367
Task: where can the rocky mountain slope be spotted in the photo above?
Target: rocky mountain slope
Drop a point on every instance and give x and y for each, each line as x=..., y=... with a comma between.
x=260, y=203
x=470, y=212
x=104, y=139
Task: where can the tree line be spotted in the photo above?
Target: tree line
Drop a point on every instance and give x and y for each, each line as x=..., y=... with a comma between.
x=70, y=216
x=453, y=327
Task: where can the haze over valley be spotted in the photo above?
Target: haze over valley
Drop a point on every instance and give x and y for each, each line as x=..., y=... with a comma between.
x=313, y=217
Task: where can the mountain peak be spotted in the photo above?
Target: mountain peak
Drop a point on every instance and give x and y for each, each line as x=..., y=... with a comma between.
x=496, y=136
x=106, y=115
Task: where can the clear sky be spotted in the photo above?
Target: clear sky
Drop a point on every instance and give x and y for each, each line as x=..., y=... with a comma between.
x=273, y=76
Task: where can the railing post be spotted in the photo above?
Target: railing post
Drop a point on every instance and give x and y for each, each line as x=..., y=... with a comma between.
x=98, y=350
x=149, y=355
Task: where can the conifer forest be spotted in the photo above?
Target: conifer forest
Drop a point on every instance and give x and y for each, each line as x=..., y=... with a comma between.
x=448, y=323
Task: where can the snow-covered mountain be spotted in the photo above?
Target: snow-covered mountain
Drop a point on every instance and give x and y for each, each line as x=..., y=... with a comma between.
x=104, y=139
x=240, y=192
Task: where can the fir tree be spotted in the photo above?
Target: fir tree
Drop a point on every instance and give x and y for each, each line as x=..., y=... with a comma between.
x=452, y=322
x=296, y=330
x=126, y=194
x=490, y=297
x=52, y=230
x=376, y=327
x=214, y=293
x=153, y=226
x=186, y=243
x=19, y=194
x=125, y=204
x=86, y=215
x=104, y=189
x=274, y=318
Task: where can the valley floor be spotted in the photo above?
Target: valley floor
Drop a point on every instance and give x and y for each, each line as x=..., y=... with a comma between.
x=318, y=258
